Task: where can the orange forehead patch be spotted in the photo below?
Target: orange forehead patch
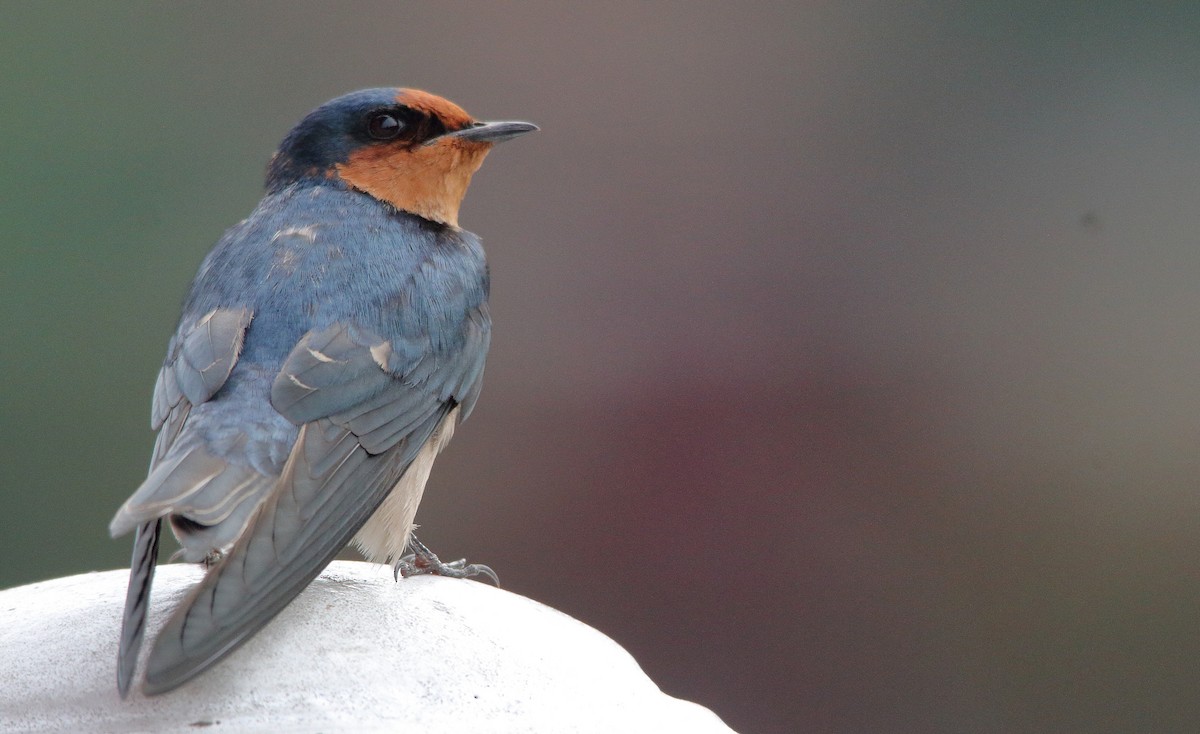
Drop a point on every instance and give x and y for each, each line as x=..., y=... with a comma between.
x=452, y=115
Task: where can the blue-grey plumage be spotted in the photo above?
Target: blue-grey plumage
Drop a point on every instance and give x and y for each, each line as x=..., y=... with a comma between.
x=327, y=348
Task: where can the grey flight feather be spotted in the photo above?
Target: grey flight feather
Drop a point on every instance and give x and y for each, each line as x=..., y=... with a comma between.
x=331, y=484
x=208, y=353
x=329, y=489
x=359, y=380
x=200, y=361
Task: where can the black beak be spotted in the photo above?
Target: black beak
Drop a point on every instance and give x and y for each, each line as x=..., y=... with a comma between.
x=492, y=132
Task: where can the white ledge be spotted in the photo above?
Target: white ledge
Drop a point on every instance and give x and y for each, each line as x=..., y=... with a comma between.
x=355, y=652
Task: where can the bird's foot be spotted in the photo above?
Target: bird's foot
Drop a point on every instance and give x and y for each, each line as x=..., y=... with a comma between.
x=424, y=561
x=210, y=559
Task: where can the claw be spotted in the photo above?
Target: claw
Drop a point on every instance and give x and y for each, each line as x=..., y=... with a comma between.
x=423, y=561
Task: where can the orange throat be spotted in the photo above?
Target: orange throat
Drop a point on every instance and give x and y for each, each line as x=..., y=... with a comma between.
x=429, y=180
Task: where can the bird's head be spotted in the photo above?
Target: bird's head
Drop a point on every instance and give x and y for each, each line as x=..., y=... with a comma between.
x=408, y=148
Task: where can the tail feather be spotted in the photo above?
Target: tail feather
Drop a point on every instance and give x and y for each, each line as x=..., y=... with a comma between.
x=137, y=602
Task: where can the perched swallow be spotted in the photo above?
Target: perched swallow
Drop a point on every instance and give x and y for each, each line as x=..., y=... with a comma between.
x=328, y=347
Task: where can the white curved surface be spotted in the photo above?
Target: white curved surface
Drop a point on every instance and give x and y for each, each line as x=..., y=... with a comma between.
x=355, y=652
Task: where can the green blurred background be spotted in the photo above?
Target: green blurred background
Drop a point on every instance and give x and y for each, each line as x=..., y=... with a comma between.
x=846, y=366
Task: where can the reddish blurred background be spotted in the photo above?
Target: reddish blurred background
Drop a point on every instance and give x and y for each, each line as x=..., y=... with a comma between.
x=846, y=361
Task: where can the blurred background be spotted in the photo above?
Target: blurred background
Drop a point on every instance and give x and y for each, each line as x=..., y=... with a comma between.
x=846, y=366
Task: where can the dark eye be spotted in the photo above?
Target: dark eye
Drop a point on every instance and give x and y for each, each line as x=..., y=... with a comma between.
x=384, y=126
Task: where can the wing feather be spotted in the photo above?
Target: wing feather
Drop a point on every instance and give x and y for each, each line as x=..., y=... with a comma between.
x=209, y=351
x=362, y=424
x=325, y=495
x=199, y=362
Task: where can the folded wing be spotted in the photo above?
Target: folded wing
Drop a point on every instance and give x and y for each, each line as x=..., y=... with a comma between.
x=199, y=362
x=366, y=406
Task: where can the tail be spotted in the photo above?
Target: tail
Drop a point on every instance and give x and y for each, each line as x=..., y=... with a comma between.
x=137, y=602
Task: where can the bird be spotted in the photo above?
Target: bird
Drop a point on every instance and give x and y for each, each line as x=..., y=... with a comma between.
x=328, y=347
